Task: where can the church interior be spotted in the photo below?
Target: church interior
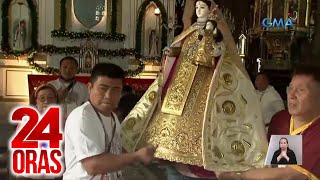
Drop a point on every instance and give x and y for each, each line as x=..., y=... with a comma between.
x=272, y=36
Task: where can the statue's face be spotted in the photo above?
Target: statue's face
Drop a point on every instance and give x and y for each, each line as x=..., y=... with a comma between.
x=209, y=26
x=202, y=9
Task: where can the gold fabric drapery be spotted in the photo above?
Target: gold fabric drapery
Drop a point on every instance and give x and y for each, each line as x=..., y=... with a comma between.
x=215, y=121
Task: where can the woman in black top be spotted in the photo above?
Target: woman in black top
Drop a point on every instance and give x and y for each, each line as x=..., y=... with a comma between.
x=284, y=155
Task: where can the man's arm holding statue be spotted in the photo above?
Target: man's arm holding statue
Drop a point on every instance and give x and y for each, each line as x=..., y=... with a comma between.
x=100, y=164
x=263, y=173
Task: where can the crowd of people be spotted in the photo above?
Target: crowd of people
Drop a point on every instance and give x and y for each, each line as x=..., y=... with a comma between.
x=92, y=130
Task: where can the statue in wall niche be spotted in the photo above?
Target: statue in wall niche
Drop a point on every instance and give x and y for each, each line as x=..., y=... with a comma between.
x=88, y=63
x=19, y=25
x=19, y=38
x=151, y=31
x=88, y=57
x=153, y=44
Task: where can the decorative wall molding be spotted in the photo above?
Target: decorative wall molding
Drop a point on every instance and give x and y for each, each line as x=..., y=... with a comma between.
x=16, y=83
x=6, y=100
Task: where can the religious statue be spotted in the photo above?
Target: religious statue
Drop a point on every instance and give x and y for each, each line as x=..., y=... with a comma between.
x=88, y=61
x=19, y=38
x=88, y=56
x=202, y=109
x=171, y=27
x=153, y=44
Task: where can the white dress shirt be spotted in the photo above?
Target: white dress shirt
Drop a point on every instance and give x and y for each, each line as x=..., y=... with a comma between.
x=77, y=95
x=271, y=103
x=85, y=137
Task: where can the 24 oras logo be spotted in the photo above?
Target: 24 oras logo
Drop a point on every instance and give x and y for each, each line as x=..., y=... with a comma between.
x=36, y=146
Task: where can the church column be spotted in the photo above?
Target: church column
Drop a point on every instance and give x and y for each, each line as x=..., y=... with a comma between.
x=316, y=47
x=127, y=23
x=46, y=21
x=1, y=1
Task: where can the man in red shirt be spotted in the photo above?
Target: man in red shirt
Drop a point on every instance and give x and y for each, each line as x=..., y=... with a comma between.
x=302, y=118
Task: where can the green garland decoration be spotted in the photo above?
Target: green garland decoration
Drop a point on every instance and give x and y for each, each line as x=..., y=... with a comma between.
x=141, y=14
x=54, y=71
x=16, y=54
x=88, y=35
x=148, y=59
x=5, y=46
x=135, y=72
x=51, y=49
x=119, y=52
x=38, y=68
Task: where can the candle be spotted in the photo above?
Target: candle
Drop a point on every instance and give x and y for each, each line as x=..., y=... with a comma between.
x=243, y=46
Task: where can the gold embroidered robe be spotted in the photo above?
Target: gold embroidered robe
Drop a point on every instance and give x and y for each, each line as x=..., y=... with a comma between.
x=207, y=118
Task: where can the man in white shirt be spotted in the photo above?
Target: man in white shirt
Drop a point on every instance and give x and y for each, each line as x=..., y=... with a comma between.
x=72, y=93
x=92, y=132
x=270, y=100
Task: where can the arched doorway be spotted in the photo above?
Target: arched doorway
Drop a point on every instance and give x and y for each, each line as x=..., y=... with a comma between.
x=151, y=36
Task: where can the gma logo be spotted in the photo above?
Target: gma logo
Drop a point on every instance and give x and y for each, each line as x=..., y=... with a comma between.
x=268, y=23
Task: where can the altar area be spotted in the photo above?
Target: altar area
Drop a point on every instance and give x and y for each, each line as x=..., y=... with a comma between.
x=36, y=34
x=138, y=85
